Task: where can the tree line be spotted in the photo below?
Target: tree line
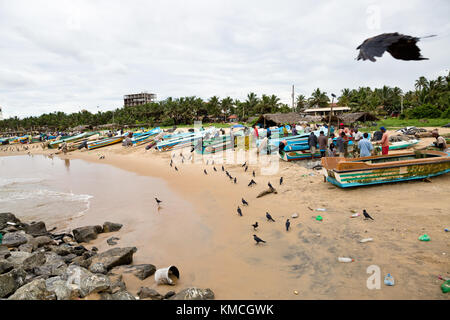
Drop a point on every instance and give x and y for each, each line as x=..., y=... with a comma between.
x=430, y=99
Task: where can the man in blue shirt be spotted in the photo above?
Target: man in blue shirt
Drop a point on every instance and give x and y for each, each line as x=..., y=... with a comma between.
x=365, y=146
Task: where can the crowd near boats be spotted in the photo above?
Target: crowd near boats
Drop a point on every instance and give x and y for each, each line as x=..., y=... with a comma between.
x=349, y=157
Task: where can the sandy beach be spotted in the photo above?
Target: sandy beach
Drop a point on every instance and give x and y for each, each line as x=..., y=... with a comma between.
x=198, y=230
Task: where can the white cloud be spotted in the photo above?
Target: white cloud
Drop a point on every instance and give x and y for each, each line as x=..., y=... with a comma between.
x=67, y=55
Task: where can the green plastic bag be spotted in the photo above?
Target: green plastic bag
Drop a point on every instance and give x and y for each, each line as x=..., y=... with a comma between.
x=1, y=238
x=445, y=287
x=425, y=237
x=319, y=218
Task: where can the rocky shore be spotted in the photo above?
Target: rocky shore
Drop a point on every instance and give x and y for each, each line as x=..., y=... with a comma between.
x=36, y=264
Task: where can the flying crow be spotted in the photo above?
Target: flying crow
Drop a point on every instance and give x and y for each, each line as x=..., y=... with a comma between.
x=400, y=46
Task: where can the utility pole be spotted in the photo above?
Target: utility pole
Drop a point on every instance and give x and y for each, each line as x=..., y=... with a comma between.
x=401, y=103
x=293, y=97
x=331, y=111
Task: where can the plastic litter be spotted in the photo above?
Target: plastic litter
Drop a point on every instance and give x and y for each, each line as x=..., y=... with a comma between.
x=319, y=218
x=355, y=215
x=162, y=276
x=11, y=223
x=1, y=238
x=425, y=237
x=294, y=215
x=445, y=287
x=366, y=240
x=446, y=230
x=321, y=209
x=389, y=280
x=345, y=259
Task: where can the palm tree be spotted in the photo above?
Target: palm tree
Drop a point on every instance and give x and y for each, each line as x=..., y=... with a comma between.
x=318, y=98
x=301, y=102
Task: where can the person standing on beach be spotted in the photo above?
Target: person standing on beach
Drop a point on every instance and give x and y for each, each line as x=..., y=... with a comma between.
x=365, y=146
x=357, y=135
x=294, y=129
x=340, y=143
x=312, y=142
x=323, y=143
x=269, y=133
x=384, y=141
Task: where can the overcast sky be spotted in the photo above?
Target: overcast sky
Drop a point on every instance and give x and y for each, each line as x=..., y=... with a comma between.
x=72, y=55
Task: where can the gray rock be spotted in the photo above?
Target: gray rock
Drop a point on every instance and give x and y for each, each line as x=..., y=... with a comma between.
x=27, y=247
x=98, y=268
x=145, y=293
x=115, y=257
x=82, y=262
x=7, y=217
x=169, y=294
x=87, y=282
x=111, y=227
x=116, y=282
x=69, y=258
x=111, y=241
x=14, y=239
x=143, y=271
x=36, y=229
x=4, y=252
x=54, y=266
x=122, y=295
x=62, y=250
x=194, y=294
x=35, y=260
x=18, y=257
x=11, y=281
x=62, y=289
x=5, y=266
x=86, y=234
x=35, y=290
x=41, y=241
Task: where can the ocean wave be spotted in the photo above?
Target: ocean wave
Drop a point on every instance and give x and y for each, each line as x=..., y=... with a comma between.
x=7, y=182
x=43, y=194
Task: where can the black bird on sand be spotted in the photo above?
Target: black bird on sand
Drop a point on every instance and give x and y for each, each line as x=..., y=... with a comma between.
x=171, y=162
x=270, y=186
x=215, y=169
x=176, y=168
x=255, y=225
x=223, y=169
x=158, y=201
x=204, y=170
x=227, y=173
x=257, y=239
x=269, y=217
x=366, y=215
x=245, y=163
x=246, y=168
x=245, y=203
x=239, y=211
x=281, y=181
x=253, y=173
x=252, y=182
x=235, y=180
x=288, y=224
x=231, y=178
x=400, y=46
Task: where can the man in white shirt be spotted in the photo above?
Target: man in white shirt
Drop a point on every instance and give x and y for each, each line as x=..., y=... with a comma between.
x=357, y=135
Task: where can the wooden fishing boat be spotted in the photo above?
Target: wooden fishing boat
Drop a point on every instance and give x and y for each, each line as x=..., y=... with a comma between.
x=299, y=155
x=75, y=138
x=145, y=137
x=354, y=172
x=401, y=144
x=104, y=142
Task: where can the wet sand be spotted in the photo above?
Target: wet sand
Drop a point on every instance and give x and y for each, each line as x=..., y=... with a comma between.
x=213, y=247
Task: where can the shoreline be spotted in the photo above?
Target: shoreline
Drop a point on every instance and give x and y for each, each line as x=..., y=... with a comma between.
x=300, y=259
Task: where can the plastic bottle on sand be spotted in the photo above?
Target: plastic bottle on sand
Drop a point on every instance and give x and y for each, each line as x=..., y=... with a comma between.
x=354, y=215
x=366, y=240
x=345, y=259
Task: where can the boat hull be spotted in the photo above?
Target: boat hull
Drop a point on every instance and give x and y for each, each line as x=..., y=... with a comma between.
x=104, y=143
x=388, y=171
x=299, y=155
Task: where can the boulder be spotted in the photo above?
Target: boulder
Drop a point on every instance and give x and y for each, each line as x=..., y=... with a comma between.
x=69, y=258
x=35, y=290
x=35, y=260
x=194, y=294
x=36, y=229
x=111, y=227
x=11, y=281
x=5, y=266
x=144, y=271
x=4, y=252
x=86, y=281
x=18, y=257
x=79, y=250
x=98, y=268
x=116, y=282
x=41, y=241
x=145, y=293
x=14, y=239
x=86, y=234
x=122, y=295
x=82, y=262
x=7, y=217
x=62, y=289
x=115, y=257
x=54, y=266
x=169, y=294
x=62, y=250
x=26, y=247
